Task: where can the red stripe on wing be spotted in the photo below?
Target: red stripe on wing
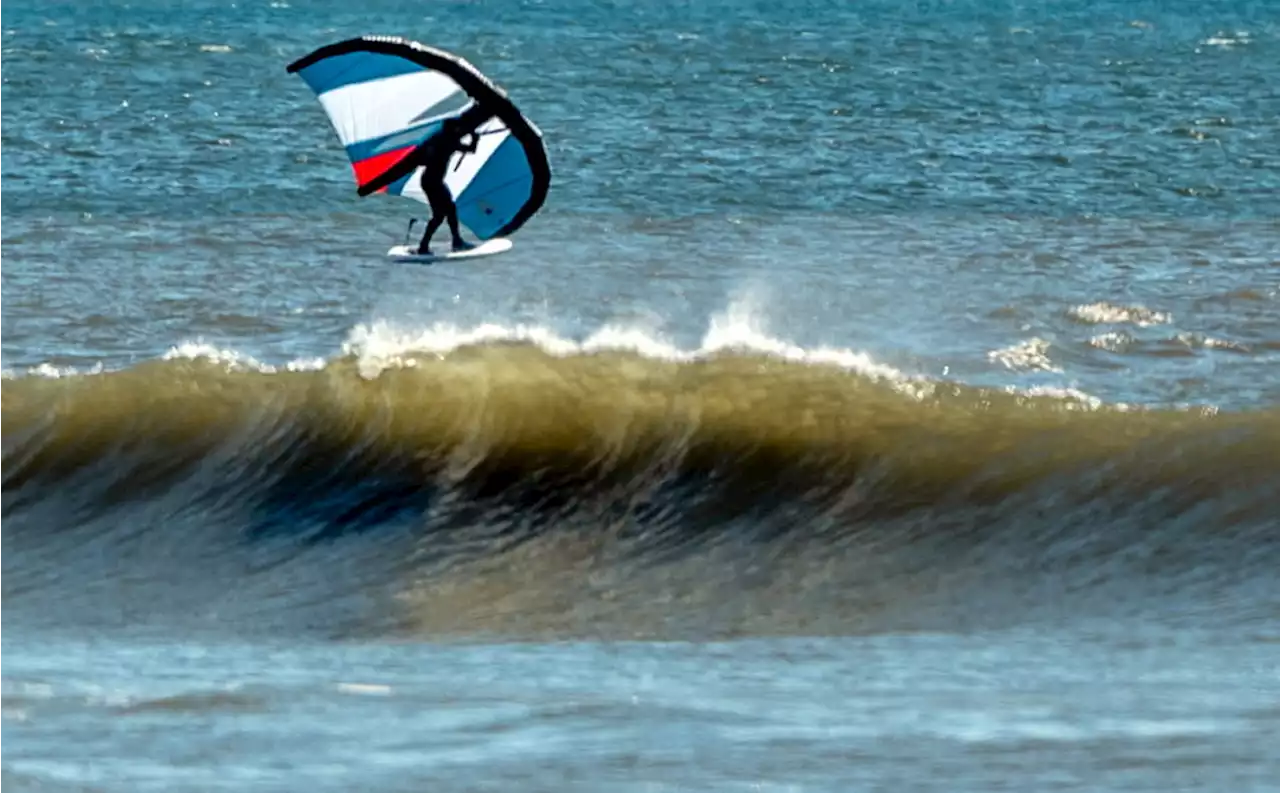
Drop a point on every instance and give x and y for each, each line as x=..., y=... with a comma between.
x=369, y=169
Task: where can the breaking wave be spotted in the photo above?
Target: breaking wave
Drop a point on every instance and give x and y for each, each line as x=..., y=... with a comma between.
x=508, y=481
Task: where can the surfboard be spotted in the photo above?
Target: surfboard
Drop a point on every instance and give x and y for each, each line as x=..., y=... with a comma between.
x=409, y=253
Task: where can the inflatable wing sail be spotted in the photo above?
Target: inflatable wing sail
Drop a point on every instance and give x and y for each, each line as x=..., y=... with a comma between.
x=385, y=96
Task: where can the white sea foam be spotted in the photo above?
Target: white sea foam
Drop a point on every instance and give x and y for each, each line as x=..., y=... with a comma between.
x=1029, y=355
x=1105, y=313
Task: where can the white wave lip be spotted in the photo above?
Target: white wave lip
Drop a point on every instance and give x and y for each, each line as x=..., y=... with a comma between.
x=52, y=372
x=381, y=343
x=234, y=360
x=385, y=344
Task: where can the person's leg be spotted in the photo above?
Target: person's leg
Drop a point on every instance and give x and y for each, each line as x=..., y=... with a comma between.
x=424, y=246
x=444, y=210
x=459, y=244
x=432, y=187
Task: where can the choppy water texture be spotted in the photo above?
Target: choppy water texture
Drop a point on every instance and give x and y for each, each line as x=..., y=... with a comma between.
x=885, y=398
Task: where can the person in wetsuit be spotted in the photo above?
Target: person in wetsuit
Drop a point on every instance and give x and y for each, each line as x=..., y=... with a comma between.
x=433, y=155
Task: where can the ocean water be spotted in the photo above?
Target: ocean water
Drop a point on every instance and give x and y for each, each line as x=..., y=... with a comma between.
x=886, y=397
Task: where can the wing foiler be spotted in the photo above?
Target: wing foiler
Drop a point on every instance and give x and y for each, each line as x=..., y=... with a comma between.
x=384, y=96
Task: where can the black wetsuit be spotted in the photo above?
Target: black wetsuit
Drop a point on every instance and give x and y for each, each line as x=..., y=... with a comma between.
x=433, y=155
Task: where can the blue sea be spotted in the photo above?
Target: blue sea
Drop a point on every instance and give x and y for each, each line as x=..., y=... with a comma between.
x=886, y=397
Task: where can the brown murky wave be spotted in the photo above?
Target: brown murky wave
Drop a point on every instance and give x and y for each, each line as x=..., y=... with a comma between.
x=502, y=489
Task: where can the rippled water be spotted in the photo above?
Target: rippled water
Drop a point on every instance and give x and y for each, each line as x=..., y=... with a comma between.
x=929, y=713
x=885, y=397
